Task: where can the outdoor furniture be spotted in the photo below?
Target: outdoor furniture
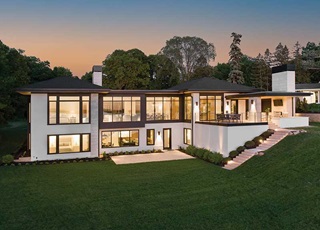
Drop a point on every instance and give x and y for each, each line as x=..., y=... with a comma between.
x=229, y=117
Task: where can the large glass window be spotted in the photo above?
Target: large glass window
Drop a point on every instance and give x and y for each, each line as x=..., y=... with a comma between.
x=121, y=138
x=150, y=136
x=162, y=108
x=121, y=109
x=68, y=143
x=187, y=108
x=187, y=136
x=69, y=109
x=210, y=106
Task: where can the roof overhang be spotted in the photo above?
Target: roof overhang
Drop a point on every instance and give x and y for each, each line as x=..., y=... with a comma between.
x=268, y=94
x=26, y=91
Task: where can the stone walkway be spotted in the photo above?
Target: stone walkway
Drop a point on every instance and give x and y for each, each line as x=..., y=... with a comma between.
x=151, y=157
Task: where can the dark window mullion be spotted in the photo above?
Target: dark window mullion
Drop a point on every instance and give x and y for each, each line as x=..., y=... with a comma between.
x=57, y=144
x=58, y=110
x=80, y=112
x=81, y=144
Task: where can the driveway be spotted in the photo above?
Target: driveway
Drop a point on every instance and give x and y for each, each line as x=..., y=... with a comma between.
x=151, y=157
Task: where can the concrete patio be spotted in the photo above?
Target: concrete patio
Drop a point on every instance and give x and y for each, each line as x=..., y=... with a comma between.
x=151, y=157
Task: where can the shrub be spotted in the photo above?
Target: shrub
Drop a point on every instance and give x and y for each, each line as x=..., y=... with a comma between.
x=7, y=159
x=240, y=149
x=206, y=153
x=258, y=140
x=191, y=150
x=215, y=158
x=250, y=145
x=143, y=152
x=233, y=154
x=199, y=153
x=104, y=155
x=265, y=135
x=159, y=151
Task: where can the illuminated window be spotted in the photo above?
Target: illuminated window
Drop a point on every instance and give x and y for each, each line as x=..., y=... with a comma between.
x=150, y=136
x=69, y=109
x=187, y=108
x=210, y=106
x=162, y=108
x=187, y=136
x=121, y=109
x=68, y=143
x=123, y=138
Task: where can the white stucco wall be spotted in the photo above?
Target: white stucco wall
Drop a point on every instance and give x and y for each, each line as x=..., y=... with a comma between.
x=224, y=139
x=291, y=122
x=283, y=81
x=40, y=130
x=176, y=137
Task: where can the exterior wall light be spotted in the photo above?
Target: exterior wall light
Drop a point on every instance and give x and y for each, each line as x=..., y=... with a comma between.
x=227, y=102
x=196, y=103
x=252, y=102
x=158, y=133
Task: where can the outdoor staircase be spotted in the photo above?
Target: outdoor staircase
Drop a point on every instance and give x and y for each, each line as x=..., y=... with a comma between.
x=278, y=135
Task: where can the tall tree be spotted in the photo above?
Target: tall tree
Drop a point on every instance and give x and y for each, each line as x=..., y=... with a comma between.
x=60, y=71
x=124, y=70
x=87, y=76
x=302, y=75
x=188, y=53
x=311, y=60
x=203, y=71
x=236, y=75
x=38, y=70
x=282, y=54
x=261, y=73
x=163, y=73
x=221, y=71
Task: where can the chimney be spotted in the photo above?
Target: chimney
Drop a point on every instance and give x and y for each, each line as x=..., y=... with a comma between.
x=97, y=75
x=284, y=78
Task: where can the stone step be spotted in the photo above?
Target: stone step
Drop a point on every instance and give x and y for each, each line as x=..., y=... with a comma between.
x=241, y=157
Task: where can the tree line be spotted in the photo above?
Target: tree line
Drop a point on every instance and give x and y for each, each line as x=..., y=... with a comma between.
x=16, y=70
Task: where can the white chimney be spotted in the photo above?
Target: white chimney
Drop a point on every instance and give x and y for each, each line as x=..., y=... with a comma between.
x=284, y=78
x=97, y=75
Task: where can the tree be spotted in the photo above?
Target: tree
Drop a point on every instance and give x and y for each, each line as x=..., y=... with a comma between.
x=163, y=73
x=60, y=71
x=87, y=76
x=236, y=75
x=188, y=53
x=261, y=73
x=221, y=71
x=282, y=54
x=203, y=71
x=247, y=65
x=124, y=70
x=302, y=75
x=311, y=61
x=38, y=70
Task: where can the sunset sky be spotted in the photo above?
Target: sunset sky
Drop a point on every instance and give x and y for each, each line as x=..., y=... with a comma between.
x=78, y=34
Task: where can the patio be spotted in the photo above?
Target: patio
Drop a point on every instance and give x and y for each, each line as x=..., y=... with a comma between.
x=169, y=155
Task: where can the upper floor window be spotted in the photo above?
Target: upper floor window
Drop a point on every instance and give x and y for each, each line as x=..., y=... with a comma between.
x=69, y=109
x=187, y=108
x=119, y=109
x=210, y=106
x=162, y=108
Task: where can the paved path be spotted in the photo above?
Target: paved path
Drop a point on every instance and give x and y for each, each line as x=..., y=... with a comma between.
x=151, y=157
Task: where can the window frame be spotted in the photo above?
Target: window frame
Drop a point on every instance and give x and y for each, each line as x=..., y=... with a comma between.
x=185, y=108
x=120, y=146
x=57, y=102
x=154, y=136
x=162, y=105
x=68, y=134
x=122, y=105
x=185, y=131
x=207, y=107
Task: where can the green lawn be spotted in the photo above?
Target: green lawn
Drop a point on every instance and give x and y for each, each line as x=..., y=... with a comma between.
x=280, y=190
x=12, y=136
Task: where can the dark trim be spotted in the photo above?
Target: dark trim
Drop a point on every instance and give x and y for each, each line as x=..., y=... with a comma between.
x=68, y=134
x=170, y=138
x=97, y=68
x=115, y=130
x=231, y=124
x=283, y=68
x=154, y=136
x=215, y=106
x=268, y=94
x=29, y=127
x=163, y=121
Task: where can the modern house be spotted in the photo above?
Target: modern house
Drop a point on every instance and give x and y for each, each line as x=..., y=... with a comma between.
x=71, y=118
x=313, y=89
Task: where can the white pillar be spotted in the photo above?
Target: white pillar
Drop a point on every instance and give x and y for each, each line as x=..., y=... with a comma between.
x=318, y=96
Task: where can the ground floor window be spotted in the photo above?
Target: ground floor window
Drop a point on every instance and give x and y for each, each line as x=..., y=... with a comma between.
x=150, y=136
x=70, y=143
x=187, y=136
x=119, y=138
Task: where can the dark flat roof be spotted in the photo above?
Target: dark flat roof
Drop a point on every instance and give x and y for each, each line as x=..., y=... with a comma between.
x=308, y=86
x=283, y=68
x=212, y=84
x=62, y=84
x=268, y=93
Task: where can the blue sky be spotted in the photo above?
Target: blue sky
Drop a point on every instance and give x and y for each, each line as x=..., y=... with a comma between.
x=79, y=34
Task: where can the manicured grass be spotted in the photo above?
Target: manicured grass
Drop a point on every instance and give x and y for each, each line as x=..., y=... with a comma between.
x=12, y=136
x=277, y=191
